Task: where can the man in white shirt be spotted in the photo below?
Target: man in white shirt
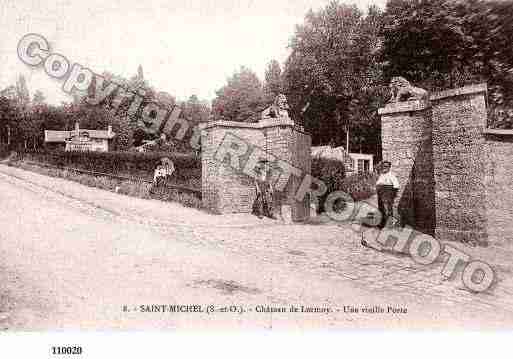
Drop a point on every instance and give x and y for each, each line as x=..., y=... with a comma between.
x=387, y=186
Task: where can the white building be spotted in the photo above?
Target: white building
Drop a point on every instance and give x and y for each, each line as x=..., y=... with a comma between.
x=362, y=162
x=353, y=162
x=82, y=139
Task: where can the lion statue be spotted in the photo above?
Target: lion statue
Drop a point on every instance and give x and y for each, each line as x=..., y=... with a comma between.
x=401, y=90
x=278, y=110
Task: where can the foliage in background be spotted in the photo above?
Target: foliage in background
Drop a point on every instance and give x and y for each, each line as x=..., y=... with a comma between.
x=273, y=85
x=331, y=172
x=195, y=110
x=23, y=121
x=333, y=76
x=359, y=186
x=441, y=44
x=240, y=99
x=244, y=96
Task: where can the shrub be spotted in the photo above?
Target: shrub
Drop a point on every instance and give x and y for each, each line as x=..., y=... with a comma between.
x=4, y=151
x=134, y=164
x=331, y=172
x=359, y=186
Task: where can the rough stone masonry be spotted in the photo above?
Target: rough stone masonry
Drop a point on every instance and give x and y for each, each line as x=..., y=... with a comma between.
x=456, y=174
x=228, y=190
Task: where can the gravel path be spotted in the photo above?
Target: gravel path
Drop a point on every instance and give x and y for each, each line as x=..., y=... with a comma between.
x=74, y=257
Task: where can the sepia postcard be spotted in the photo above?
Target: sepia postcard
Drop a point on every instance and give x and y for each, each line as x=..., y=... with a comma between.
x=247, y=165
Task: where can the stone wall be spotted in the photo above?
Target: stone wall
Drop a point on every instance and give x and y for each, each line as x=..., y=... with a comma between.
x=299, y=152
x=225, y=189
x=499, y=184
x=459, y=121
x=228, y=190
x=456, y=175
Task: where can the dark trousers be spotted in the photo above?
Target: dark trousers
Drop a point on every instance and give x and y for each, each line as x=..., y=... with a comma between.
x=263, y=205
x=386, y=198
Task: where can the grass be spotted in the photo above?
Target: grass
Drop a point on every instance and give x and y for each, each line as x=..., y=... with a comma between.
x=137, y=189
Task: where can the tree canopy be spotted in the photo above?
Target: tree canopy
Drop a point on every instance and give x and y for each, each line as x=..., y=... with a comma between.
x=273, y=84
x=445, y=44
x=240, y=99
x=332, y=69
x=335, y=78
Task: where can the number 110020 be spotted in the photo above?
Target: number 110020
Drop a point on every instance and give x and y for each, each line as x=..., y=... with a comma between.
x=67, y=350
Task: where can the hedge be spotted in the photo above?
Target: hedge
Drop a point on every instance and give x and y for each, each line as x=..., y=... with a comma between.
x=331, y=172
x=136, y=164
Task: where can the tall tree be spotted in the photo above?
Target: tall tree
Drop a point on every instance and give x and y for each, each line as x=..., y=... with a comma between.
x=8, y=113
x=241, y=99
x=335, y=62
x=195, y=110
x=22, y=91
x=424, y=41
x=446, y=43
x=38, y=98
x=16, y=104
x=140, y=72
x=273, y=84
x=130, y=131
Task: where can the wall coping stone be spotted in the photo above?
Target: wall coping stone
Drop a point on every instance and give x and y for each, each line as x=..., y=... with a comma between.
x=256, y=125
x=406, y=106
x=497, y=131
x=466, y=90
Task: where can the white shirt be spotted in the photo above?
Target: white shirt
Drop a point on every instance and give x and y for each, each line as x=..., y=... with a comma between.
x=163, y=171
x=388, y=179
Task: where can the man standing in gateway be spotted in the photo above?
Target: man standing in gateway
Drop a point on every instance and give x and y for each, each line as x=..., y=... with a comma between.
x=387, y=187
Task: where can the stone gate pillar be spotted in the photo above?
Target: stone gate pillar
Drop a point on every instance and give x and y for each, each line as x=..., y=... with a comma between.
x=459, y=155
x=438, y=151
x=226, y=189
x=406, y=143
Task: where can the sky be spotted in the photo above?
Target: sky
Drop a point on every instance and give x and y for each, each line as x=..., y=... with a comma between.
x=185, y=47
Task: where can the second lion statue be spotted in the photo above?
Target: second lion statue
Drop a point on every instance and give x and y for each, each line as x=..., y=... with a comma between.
x=402, y=90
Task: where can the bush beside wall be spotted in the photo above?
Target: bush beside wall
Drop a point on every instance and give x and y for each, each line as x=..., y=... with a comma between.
x=359, y=186
x=331, y=172
x=133, y=164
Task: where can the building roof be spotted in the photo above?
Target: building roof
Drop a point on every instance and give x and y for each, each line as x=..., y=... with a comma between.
x=62, y=136
x=56, y=136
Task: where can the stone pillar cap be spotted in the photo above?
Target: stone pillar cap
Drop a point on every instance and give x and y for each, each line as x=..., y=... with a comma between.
x=256, y=125
x=419, y=105
x=465, y=90
x=406, y=106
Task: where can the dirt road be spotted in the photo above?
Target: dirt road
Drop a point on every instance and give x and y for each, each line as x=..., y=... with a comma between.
x=74, y=257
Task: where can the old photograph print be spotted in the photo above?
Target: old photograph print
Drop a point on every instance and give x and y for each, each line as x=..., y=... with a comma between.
x=268, y=165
